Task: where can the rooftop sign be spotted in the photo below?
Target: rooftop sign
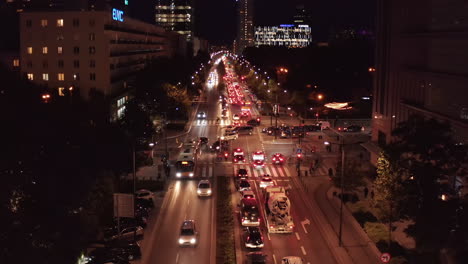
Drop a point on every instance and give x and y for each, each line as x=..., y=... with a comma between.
x=117, y=15
x=286, y=25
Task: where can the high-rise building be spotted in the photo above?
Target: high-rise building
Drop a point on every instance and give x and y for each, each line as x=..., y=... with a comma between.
x=89, y=51
x=176, y=16
x=421, y=66
x=245, y=35
x=286, y=35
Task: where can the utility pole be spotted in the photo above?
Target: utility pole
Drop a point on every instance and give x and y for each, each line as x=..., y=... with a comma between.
x=134, y=167
x=276, y=116
x=342, y=191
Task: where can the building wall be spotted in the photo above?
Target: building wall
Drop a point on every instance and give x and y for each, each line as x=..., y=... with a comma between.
x=176, y=16
x=422, y=65
x=284, y=35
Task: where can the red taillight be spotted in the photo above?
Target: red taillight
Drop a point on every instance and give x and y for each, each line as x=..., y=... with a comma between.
x=225, y=154
x=274, y=158
x=281, y=159
x=235, y=160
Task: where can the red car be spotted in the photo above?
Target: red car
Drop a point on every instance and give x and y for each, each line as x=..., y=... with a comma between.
x=277, y=158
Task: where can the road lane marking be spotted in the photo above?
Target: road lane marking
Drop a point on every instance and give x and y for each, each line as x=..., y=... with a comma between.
x=274, y=259
x=280, y=171
x=305, y=222
x=303, y=251
x=287, y=171
x=177, y=258
x=268, y=235
x=268, y=171
x=297, y=236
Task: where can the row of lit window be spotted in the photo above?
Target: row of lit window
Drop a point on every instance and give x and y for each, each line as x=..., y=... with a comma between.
x=60, y=64
x=61, y=76
x=59, y=22
x=76, y=50
x=172, y=7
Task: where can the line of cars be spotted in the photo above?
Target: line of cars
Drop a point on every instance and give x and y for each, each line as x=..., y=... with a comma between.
x=120, y=239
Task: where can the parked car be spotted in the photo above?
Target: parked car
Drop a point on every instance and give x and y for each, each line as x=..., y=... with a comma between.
x=144, y=194
x=127, y=233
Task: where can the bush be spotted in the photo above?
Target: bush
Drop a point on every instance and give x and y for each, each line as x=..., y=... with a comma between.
x=363, y=217
x=376, y=231
x=225, y=248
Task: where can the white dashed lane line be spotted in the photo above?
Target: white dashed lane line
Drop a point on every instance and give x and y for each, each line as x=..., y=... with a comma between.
x=303, y=251
x=297, y=236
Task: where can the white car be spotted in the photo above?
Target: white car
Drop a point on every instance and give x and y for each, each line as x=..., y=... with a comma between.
x=201, y=115
x=266, y=181
x=247, y=194
x=144, y=194
x=235, y=117
x=292, y=260
x=188, y=234
x=238, y=152
x=230, y=136
x=204, y=188
x=258, y=155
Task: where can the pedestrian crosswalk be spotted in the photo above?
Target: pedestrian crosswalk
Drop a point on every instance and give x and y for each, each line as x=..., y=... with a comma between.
x=211, y=122
x=207, y=170
x=272, y=170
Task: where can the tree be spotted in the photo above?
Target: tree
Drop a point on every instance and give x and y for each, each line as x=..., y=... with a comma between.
x=353, y=176
x=388, y=189
x=427, y=152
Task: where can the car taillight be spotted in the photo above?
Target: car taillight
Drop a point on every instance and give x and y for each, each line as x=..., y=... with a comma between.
x=235, y=160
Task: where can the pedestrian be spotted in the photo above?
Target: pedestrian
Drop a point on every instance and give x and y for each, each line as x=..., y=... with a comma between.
x=372, y=194
x=366, y=192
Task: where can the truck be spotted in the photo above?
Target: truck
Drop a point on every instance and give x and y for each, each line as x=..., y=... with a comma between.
x=278, y=217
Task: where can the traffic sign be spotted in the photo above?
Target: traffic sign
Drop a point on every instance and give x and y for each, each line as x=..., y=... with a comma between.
x=299, y=150
x=385, y=257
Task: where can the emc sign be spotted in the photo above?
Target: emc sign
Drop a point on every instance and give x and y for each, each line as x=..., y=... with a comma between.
x=117, y=15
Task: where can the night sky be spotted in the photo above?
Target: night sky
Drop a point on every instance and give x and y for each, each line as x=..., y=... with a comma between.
x=216, y=19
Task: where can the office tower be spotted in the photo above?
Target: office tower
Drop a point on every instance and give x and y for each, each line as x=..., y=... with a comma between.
x=245, y=35
x=285, y=35
x=176, y=16
x=302, y=17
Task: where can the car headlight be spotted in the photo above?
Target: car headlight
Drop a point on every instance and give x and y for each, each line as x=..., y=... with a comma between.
x=178, y=174
x=198, y=191
x=209, y=191
x=191, y=174
x=193, y=241
x=181, y=241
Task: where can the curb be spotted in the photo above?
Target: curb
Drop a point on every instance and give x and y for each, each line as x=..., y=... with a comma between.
x=355, y=224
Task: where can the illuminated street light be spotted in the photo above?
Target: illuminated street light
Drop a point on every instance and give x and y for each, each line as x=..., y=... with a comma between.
x=320, y=96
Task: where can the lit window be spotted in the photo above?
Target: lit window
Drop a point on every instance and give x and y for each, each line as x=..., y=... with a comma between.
x=30, y=76
x=92, y=36
x=61, y=77
x=16, y=63
x=60, y=91
x=44, y=50
x=76, y=77
x=59, y=50
x=60, y=22
x=92, y=50
x=45, y=76
x=43, y=22
x=30, y=50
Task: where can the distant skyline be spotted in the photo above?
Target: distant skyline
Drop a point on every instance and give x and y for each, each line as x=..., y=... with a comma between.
x=215, y=20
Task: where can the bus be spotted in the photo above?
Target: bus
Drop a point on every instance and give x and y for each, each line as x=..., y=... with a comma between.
x=185, y=166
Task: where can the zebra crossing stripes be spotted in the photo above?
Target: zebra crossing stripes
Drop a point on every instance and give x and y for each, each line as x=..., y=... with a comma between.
x=211, y=122
x=272, y=170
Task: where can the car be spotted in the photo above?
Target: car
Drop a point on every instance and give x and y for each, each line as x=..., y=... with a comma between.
x=253, y=238
x=247, y=194
x=292, y=260
x=230, y=135
x=258, y=155
x=277, y=158
x=242, y=174
x=125, y=249
x=238, y=151
x=201, y=115
x=258, y=164
x=243, y=185
x=204, y=188
x=254, y=122
x=235, y=117
x=256, y=258
x=105, y=255
x=249, y=212
x=128, y=233
x=245, y=130
x=266, y=181
x=188, y=233
x=144, y=194
x=224, y=113
x=216, y=145
x=245, y=114
x=238, y=159
x=203, y=140
x=354, y=128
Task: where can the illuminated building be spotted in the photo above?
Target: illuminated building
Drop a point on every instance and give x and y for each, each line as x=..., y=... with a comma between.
x=175, y=16
x=284, y=35
x=245, y=34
